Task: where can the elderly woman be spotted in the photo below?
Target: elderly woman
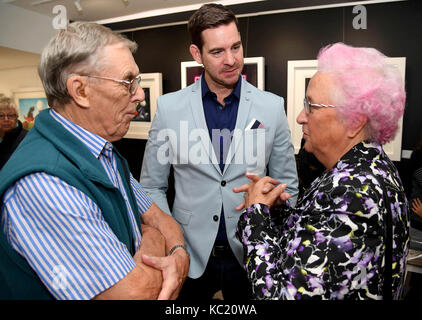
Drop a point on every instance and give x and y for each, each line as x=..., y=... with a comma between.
x=11, y=130
x=347, y=237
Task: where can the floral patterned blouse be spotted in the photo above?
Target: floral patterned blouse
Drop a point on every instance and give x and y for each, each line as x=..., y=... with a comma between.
x=331, y=245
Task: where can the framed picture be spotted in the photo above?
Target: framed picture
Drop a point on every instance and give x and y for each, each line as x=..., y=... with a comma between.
x=299, y=73
x=29, y=103
x=152, y=83
x=253, y=72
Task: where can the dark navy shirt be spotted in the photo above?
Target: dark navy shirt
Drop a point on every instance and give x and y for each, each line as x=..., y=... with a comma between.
x=223, y=120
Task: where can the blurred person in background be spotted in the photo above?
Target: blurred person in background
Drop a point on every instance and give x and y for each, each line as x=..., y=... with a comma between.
x=11, y=130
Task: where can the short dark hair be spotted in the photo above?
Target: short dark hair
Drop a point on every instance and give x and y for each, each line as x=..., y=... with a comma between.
x=209, y=16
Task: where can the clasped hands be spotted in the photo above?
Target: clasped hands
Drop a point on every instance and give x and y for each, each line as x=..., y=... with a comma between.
x=265, y=190
x=174, y=268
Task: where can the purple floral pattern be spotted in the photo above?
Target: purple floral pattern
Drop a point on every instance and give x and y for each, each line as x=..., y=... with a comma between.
x=331, y=245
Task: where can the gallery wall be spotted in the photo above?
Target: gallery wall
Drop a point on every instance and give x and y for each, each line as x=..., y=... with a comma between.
x=23, y=29
x=393, y=28
x=17, y=78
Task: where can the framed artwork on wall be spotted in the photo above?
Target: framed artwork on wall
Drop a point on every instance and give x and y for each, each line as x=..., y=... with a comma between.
x=299, y=73
x=253, y=72
x=152, y=84
x=29, y=101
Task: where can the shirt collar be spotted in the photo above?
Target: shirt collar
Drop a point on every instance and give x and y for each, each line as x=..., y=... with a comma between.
x=206, y=89
x=93, y=142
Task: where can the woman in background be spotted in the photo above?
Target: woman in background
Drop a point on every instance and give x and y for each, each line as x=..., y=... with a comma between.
x=11, y=130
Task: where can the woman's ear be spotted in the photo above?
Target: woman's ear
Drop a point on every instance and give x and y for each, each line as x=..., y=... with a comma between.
x=357, y=126
x=196, y=53
x=77, y=87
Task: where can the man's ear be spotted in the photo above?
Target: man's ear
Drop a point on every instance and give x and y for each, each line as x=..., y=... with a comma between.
x=77, y=86
x=196, y=53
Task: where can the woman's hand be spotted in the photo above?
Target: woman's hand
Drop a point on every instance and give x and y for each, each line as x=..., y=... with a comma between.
x=266, y=191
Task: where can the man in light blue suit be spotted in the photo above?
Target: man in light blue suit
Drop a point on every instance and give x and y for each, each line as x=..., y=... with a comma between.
x=212, y=133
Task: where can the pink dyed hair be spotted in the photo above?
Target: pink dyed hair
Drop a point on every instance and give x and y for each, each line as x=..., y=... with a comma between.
x=365, y=86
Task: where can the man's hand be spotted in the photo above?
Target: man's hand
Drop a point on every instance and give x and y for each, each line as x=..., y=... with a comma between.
x=143, y=282
x=417, y=207
x=174, y=269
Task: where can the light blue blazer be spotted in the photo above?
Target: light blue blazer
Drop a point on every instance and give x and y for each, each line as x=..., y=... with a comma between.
x=179, y=137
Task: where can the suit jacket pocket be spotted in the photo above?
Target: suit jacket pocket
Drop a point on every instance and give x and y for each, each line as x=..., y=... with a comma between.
x=256, y=150
x=182, y=215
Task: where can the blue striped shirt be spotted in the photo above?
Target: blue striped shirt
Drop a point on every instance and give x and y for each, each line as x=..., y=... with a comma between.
x=62, y=233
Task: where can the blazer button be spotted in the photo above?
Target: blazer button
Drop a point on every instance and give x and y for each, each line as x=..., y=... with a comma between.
x=223, y=183
x=215, y=218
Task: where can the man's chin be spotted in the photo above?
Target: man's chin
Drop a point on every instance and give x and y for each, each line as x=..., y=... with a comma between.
x=120, y=132
x=230, y=81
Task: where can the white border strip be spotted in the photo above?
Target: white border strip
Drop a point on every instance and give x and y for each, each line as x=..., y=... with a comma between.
x=194, y=7
x=161, y=12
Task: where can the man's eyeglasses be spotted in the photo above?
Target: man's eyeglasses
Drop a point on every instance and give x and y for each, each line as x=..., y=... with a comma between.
x=9, y=116
x=307, y=105
x=132, y=85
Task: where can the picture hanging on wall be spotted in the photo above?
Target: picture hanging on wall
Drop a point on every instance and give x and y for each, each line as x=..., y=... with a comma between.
x=144, y=108
x=152, y=84
x=299, y=73
x=253, y=72
x=30, y=102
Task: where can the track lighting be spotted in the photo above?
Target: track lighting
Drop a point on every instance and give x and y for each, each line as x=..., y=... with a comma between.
x=78, y=6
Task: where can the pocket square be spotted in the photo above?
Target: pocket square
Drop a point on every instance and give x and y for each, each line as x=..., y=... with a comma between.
x=254, y=124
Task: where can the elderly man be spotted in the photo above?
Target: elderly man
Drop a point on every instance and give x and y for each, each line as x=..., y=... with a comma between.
x=11, y=130
x=71, y=213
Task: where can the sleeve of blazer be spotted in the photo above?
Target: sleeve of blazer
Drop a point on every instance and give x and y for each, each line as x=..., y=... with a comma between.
x=155, y=172
x=282, y=163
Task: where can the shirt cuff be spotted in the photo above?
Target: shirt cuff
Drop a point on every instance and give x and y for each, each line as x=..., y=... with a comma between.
x=259, y=208
x=253, y=220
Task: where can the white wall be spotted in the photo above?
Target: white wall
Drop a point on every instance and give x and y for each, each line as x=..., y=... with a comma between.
x=23, y=29
x=12, y=80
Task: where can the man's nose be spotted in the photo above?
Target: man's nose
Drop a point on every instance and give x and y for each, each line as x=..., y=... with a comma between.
x=139, y=95
x=230, y=58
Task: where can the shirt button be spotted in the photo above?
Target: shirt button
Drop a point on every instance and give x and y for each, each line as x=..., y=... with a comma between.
x=223, y=183
x=215, y=218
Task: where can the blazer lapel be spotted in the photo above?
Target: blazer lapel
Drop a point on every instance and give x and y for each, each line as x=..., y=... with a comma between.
x=199, y=118
x=242, y=116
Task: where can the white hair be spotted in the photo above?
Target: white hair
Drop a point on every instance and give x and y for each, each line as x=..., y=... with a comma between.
x=7, y=104
x=75, y=49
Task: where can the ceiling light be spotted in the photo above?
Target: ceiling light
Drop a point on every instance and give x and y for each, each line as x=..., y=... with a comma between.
x=36, y=3
x=78, y=6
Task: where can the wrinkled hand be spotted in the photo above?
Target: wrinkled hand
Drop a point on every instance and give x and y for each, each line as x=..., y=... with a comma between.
x=174, y=269
x=266, y=190
x=417, y=207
